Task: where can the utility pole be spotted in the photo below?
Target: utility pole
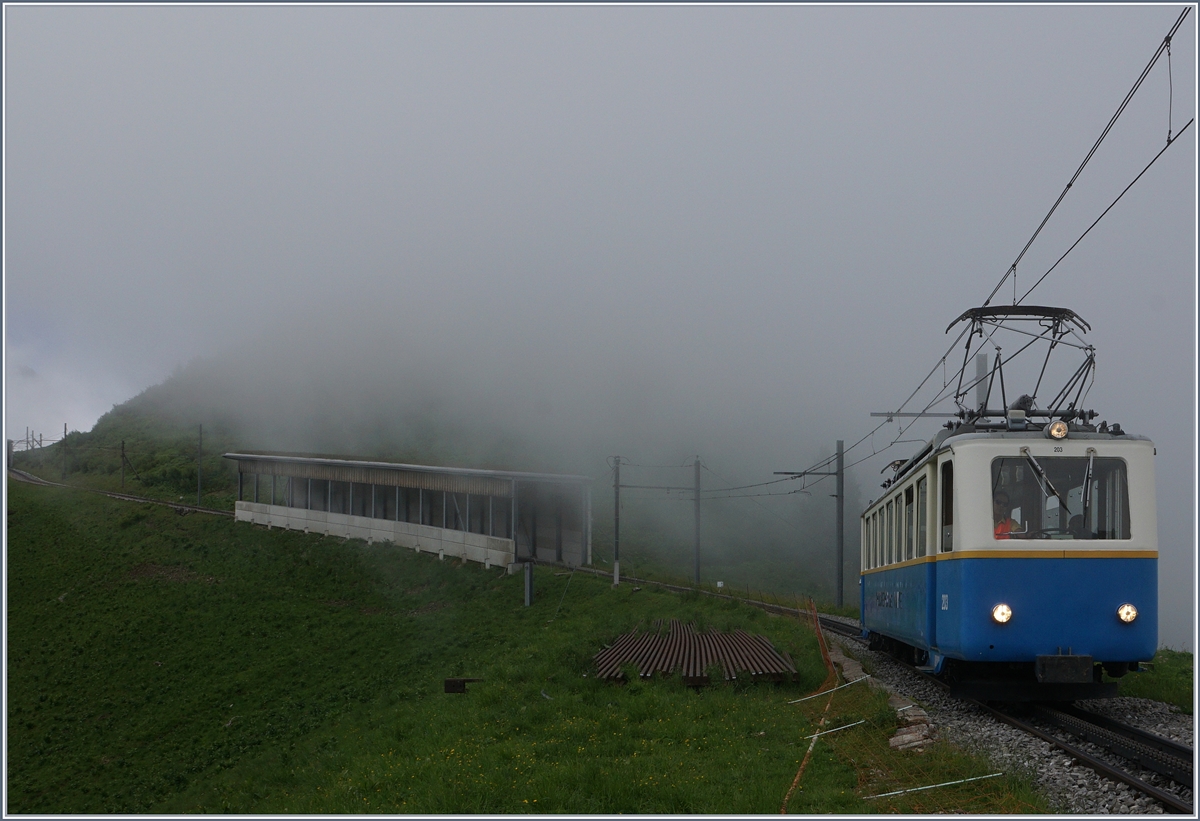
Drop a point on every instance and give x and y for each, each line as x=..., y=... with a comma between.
x=617, y=522
x=840, y=473
x=696, y=550
x=841, y=519
x=64, y=447
x=199, y=452
x=123, y=464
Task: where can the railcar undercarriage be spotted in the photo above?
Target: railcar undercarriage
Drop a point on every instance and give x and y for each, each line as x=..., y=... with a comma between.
x=1049, y=678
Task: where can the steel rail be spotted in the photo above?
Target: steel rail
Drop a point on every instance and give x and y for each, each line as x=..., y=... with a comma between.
x=1150, y=751
x=1172, y=802
x=841, y=628
x=682, y=649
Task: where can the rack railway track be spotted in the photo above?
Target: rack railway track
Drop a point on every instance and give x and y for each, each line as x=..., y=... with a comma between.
x=1151, y=752
x=1172, y=802
x=1141, y=749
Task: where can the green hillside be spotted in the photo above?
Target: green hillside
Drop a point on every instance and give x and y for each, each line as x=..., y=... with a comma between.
x=160, y=662
x=753, y=550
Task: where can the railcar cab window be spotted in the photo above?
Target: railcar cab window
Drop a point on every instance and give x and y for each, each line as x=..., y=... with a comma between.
x=1059, y=497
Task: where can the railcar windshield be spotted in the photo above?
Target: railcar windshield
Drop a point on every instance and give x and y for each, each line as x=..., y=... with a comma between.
x=1059, y=497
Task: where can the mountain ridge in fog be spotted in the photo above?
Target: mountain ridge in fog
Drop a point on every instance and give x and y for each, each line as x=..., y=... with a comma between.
x=417, y=411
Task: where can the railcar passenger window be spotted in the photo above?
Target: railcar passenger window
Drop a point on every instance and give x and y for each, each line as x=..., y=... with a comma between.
x=947, y=507
x=922, y=513
x=1060, y=497
x=890, y=537
x=900, y=528
x=908, y=523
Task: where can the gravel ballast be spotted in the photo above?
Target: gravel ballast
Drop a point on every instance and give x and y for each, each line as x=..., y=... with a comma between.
x=1066, y=784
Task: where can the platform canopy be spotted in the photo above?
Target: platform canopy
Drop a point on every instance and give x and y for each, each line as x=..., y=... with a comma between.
x=546, y=516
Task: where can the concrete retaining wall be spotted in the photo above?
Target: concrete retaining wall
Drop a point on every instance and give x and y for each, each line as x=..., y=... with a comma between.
x=474, y=547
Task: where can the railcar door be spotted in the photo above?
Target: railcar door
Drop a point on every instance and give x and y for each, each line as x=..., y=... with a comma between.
x=945, y=623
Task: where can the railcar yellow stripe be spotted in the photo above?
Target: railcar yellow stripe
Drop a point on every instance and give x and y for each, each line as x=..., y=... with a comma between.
x=1049, y=554
x=1019, y=554
x=906, y=563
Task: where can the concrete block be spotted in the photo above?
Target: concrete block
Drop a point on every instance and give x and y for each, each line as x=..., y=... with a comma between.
x=910, y=737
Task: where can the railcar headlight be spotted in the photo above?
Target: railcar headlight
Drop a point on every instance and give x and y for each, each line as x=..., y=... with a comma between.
x=1057, y=429
x=1001, y=613
x=1127, y=613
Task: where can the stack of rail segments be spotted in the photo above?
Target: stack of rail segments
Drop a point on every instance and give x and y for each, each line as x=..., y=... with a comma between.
x=693, y=654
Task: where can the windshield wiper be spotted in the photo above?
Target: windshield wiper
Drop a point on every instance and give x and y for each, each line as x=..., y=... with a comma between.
x=1087, y=484
x=1043, y=478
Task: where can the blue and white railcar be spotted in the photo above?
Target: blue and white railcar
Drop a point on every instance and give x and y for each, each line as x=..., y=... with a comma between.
x=1018, y=563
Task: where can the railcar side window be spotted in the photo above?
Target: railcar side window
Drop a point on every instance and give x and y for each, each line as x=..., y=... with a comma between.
x=875, y=538
x=947, y=507
x=1060, y=497
x=889, y=534
x=909, y=523
x=921, y=516
x=878, y=538
x=900, y=528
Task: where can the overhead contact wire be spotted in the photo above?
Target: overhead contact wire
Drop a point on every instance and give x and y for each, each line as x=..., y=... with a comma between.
x=1164, y=46
x=1106, y=210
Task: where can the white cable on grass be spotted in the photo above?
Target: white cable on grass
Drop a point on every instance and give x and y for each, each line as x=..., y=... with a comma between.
x=932, y=786
x=823, y=692
x=827, y=732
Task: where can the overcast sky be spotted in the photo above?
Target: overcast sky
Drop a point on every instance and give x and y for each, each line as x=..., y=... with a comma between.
x=748, y=225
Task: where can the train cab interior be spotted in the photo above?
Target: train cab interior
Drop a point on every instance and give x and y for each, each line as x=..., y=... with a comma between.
x=1059, y=497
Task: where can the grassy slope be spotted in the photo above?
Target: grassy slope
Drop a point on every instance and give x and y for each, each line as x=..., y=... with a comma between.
x=161, y=456
x=1169, y=679
x=160, y=662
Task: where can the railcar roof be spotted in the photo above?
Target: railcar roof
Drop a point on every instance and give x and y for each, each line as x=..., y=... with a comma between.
x=967, y=433
x=1037, y=434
